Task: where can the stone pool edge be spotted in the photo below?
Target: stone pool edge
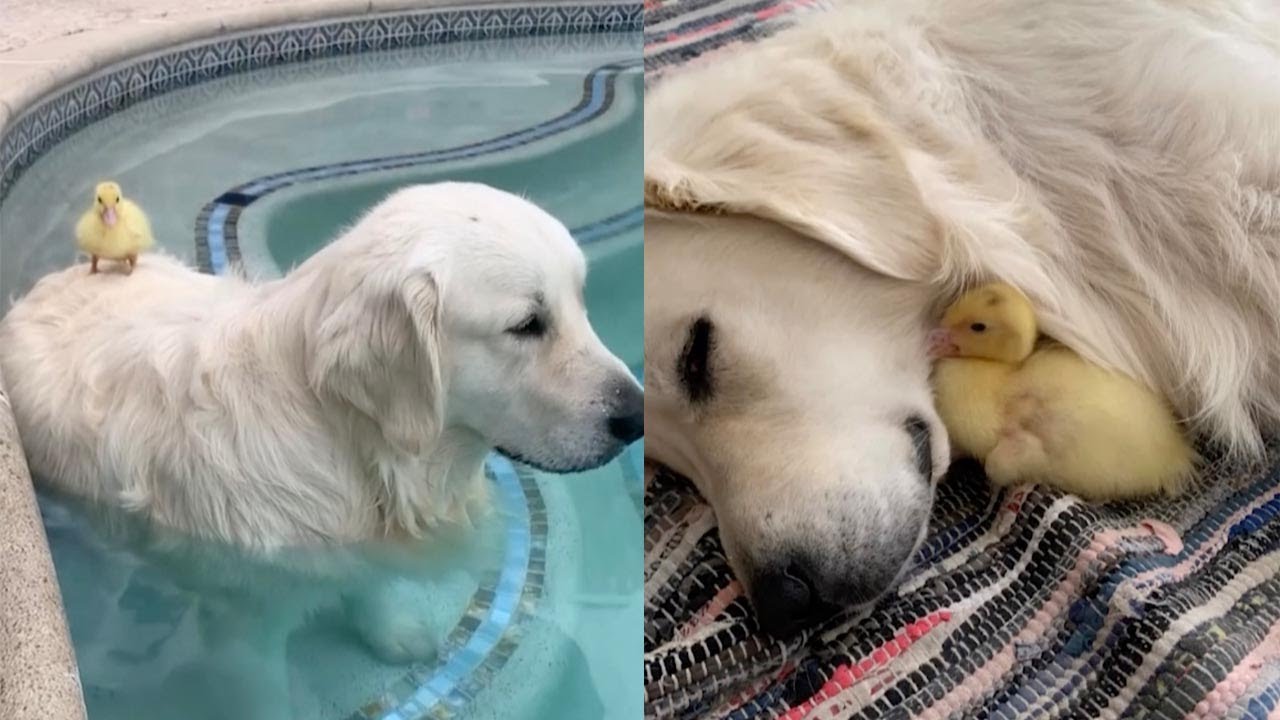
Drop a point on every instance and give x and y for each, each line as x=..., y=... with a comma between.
x=38, y=671
x=35, y=71
x=39, y=677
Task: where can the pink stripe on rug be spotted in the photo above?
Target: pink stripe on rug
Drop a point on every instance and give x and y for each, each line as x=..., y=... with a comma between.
x=714, y=607
x=845, y=676
x=1173, y=574
x=760, y=15
x=1208, y=548
x=984, y=679
x=1219, y=700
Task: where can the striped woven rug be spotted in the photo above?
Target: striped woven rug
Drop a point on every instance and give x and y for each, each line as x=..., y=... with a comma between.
x=678, y=31
x=1025, y=603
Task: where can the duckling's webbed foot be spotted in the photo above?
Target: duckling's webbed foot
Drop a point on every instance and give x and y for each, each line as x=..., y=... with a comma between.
x=1018, y=457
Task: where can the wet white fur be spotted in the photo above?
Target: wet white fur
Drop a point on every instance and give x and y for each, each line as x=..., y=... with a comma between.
x=354, y=399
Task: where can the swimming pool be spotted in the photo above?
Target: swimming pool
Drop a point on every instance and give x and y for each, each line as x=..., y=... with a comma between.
x=260, y=168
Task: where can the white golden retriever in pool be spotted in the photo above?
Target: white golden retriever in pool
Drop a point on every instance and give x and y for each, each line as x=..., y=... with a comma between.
x=815, y=199
x=351, y=401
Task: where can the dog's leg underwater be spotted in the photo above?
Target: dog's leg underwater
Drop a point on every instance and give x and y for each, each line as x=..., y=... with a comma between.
x=393, y=618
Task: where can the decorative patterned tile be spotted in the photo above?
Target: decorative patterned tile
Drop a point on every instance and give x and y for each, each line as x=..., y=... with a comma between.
x=41, y=127
x=215, y=237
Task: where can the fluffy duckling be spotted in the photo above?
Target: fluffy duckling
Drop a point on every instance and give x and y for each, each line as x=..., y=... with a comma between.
x=113, y=228
x=1045, y=414
x=982, y=341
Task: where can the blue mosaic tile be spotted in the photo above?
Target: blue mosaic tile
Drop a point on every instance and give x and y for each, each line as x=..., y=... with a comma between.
x=217, y=247
x=41, y=127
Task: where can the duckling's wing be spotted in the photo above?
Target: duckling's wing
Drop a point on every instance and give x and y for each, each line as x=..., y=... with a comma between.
x=136, y=221
x=88, y=232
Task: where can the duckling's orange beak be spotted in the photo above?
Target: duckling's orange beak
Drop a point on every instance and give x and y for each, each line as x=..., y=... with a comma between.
x=109, y=215
x=942, y=344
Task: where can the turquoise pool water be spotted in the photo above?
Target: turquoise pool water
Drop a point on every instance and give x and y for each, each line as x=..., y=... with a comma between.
x=539, y=608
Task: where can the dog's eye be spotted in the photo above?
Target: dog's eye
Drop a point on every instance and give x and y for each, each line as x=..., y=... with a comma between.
x=922, y=444
x=693, y=365
x=978, y=327
x=531, y=327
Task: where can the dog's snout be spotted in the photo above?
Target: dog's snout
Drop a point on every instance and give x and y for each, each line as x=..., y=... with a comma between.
x=785, y=599
x=626, y=420
x=796, y=595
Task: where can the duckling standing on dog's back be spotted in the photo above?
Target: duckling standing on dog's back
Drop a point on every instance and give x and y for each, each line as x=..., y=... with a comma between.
x=113, y=228
x=1048, y=415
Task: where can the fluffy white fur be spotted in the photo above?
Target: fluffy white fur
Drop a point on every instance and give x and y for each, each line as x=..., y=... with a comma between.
x=352, y=401
x=1119, y=162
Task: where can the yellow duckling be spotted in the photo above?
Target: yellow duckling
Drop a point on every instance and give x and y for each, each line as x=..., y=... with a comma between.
x=1047, y=415
x=113, y=228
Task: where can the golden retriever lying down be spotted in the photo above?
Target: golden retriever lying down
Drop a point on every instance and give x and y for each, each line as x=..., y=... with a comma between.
x=815, y=200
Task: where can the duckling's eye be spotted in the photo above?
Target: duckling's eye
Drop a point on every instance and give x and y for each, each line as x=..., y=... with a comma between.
x=978, y=327
x=100, y=201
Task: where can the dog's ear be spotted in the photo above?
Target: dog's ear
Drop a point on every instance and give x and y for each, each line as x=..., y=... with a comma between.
x=828, y=171
x=818, y=157
x=379, y=351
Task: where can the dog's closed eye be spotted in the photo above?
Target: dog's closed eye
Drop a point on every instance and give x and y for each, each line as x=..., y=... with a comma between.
x=694, y=364
x=922, y=444
x=532, y=326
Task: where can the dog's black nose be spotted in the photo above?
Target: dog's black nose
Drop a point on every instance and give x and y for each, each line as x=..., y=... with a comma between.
x=627, y=428
x=784, y=600
x=626, y=422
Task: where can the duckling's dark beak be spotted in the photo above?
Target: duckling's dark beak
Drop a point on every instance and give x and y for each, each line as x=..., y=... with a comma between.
x=941, y=344
x=109, y=215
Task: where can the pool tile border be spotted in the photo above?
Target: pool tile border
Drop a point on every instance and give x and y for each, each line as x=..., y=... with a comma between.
x=217, y=234
x=486, y=636
x=484, y=639
x=54, y=118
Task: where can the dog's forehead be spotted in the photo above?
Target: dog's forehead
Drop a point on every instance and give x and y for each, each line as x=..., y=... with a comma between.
x=519, y=244
x=494, y=237
x=519, y=267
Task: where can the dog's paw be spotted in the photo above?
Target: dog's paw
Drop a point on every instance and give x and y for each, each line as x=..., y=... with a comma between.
x=401, y=639
x=393, y=621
